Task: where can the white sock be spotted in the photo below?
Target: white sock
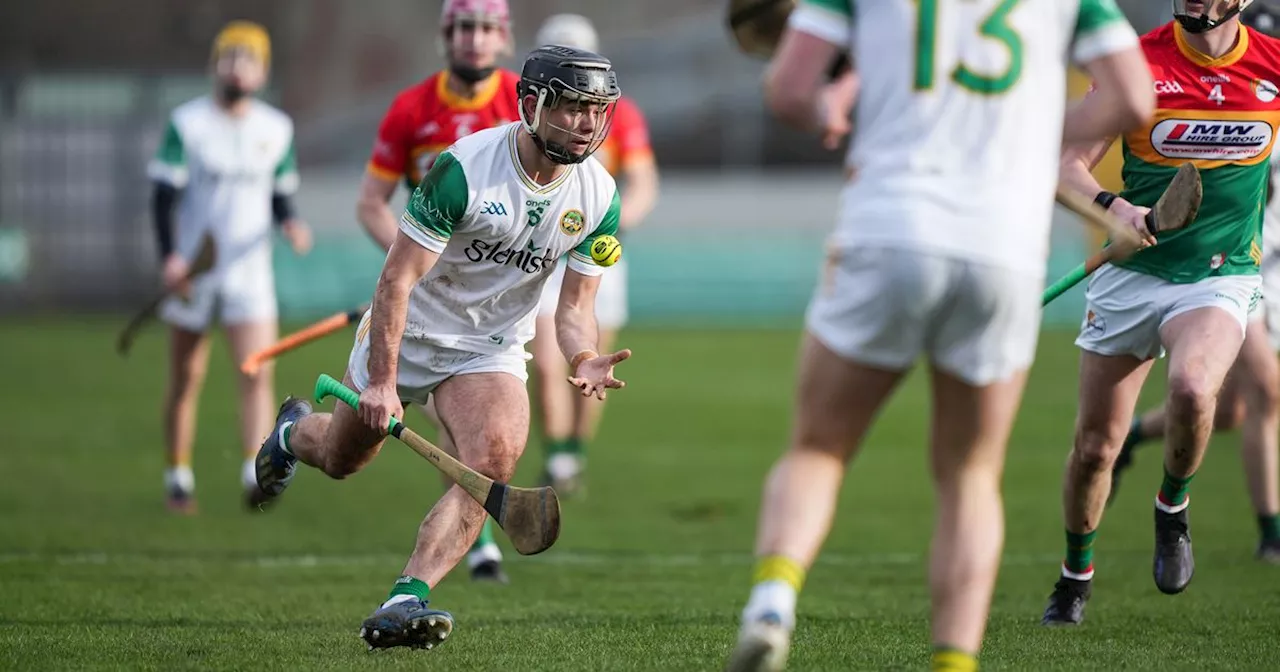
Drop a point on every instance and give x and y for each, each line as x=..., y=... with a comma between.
x=486, y=553
x=396, y=599
x=180, y=478
x=1173, y=508
x=772, y=596
x=563, y=465
x=284, y=446
x=1077, y=576
x=249, y=474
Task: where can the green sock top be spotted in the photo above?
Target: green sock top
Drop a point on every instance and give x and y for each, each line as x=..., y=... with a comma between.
x=407, y=585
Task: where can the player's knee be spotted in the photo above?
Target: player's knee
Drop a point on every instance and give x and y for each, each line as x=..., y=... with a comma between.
x=186, y=379
x=1191, y=397
x=1096, y=448
x=258, y=380
x=813, y=438
x=498, y=459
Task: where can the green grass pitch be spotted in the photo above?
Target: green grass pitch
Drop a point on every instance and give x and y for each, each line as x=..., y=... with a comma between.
x=650, y=571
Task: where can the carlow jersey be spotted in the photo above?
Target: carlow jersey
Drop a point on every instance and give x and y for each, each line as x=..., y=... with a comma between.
x=959, y=118
x=628, y=138
x=428, y=117
x=499, y=235
x=1220, y=114
x=228, y=168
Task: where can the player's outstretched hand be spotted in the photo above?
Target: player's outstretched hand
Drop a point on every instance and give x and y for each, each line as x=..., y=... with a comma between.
x=1135, y=216
x=594, y=376
x=298, y=234
x=378, y=404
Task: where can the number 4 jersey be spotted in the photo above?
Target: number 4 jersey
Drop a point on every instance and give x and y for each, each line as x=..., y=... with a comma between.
x=499, y=235
x=1220, y=114
x=958, y=126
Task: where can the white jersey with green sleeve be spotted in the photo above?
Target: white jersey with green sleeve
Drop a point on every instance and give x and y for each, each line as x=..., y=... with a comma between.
x=499, y=235
x=958, y=122
x=228, y=168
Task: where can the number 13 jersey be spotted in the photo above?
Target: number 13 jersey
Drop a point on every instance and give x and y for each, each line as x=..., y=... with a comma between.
x=958, y=124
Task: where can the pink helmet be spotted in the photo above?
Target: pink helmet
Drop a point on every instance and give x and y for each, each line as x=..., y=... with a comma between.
x=480, y=11
x=477, y=10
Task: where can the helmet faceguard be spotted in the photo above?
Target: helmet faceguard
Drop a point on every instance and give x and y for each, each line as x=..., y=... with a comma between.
x=1199, y=16
x=561, y=76
x=477, y=13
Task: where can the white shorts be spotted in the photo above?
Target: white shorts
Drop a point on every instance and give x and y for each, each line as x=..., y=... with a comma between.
x=611, y=299
x=423, y=366
x=244, y=294
x=886, y=306
x=1124, y=310
x=1270, y=306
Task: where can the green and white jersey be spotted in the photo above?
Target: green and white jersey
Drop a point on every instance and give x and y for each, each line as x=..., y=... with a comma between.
x=958, y=124
x=499, y=235
x=228, y=168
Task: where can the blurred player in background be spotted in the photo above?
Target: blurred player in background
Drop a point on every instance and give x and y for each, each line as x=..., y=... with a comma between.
x=939, y=251
x=1250, y=397
x=1192, y=294
x=569, y=420
x=226, y=167
x=471, y=94
x=496, y=209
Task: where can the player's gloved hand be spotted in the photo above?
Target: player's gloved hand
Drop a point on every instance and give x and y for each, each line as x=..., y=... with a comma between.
x=298, y=234
x=1135, y=216
x=837, y=102
x=594, y=373
x=174, y=274
x=378, y=404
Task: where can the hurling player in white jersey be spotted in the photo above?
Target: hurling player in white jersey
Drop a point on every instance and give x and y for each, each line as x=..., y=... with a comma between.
x=226, y=168
x=1250, y=396
x=939, y=251
x=455, y=305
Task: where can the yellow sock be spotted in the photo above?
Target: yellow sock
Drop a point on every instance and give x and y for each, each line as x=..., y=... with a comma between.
x=952, y=660
x=779, y=568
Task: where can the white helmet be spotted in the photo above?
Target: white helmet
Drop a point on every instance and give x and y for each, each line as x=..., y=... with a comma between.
x=569, y=30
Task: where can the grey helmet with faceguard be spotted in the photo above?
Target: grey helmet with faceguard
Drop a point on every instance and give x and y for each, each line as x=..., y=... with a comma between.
x=1213, y=13
x=556, y=75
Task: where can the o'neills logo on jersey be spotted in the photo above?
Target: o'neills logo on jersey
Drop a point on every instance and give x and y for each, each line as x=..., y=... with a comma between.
x=1208, y=139
x=532, y=259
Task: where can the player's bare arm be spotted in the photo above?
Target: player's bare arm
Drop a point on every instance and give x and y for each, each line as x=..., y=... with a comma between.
x=641, y=177
x=578, y=335
x=407, y=262
x=798, y=93
x=1123, y=98
x=1075, y=171
x=373, y=211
